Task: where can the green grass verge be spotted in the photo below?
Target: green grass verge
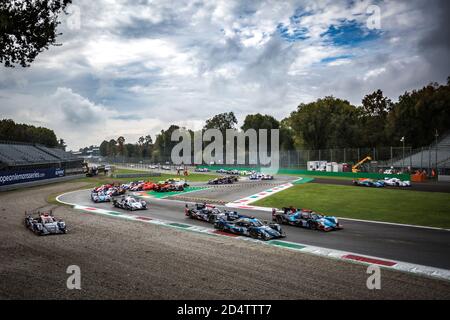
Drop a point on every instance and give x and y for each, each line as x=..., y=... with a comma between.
x=312, y=176
x=397, y=206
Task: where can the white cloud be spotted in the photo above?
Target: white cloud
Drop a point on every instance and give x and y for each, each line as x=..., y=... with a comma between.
x=136, y=67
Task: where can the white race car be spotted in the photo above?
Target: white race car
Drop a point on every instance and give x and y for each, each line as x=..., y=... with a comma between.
x=395, y=182
x=130, y=203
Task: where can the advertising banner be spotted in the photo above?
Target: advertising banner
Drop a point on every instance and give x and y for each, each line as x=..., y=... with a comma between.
x=21, y=176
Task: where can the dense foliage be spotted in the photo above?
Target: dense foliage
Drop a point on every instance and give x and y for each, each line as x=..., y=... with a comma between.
x=11, y=131
x=27, y=27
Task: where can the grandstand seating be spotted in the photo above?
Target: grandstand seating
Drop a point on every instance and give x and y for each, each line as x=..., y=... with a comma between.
x=58, y=153
x=426, y=157
x=12, y=155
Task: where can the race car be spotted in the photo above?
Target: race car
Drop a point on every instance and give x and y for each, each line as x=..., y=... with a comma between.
x=44, y=223
x=395, y=182
x=177, y=182
x=148, y=186
x=162, y=186
x=224, y=180
x=229, y=172
x=209, y=213
x=250, y=227
x=116, y=191
x=369, y=183
x=103, y=196
x=130, y=203
x=260, y=176
x=305, y=219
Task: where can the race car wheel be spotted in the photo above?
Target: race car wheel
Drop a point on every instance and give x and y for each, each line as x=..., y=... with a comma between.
x=311, y=225
x=279, y=220
x=211, y=219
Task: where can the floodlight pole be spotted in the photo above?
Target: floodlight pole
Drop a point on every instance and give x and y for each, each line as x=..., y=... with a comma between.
x=403, y=140
x=436, y=146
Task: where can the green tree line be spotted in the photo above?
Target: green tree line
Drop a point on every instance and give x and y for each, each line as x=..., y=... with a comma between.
x=328, y=122
x=18, y=132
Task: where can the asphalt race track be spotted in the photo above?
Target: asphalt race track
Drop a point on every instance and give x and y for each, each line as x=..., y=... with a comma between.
x=123, y=259
x=428, y=247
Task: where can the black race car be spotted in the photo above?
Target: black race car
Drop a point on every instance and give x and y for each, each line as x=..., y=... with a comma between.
x=209, y=213
x=224, y=180
x=251, y=227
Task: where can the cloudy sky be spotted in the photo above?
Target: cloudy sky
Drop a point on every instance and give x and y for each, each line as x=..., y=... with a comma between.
x=132, y=68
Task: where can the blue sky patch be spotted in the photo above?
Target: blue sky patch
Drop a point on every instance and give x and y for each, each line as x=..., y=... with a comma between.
x=335, y=58
x=295, y=34
x=350, y=33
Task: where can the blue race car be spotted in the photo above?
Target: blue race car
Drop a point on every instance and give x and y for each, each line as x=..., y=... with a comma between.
x=100, y=197
x=369, y=183
x=251, y=227
x=306, y=219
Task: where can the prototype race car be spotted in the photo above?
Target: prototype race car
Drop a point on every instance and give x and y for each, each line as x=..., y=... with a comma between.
x=251, y=227
x=395, y=182
x=224, y=180
x=130, y=203
x=44, y=223
x=209, y=213
x=162, y=186
x=230, y=172
x=369, y=183
x=177, y=182
x=260, y=176
x=306, y=219
x=101, y=197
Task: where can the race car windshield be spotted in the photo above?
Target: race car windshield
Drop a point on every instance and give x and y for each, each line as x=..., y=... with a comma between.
x=257, y=223
x=47, y=220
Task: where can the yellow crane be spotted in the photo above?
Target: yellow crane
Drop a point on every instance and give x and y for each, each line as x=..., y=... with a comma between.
x=356, y=166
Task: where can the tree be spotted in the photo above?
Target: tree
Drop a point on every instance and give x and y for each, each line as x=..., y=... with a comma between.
x=121, y=141
x=164, y=144
x=374, y=111
x=11, y=131
x=112, y=148
x=28, y=27
x=325, y=123
x=222, y=122
x=104, y=148
x=418, y=114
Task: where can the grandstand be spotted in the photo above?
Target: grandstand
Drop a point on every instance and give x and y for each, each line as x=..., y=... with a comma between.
x=434, y=156
x=25, y=158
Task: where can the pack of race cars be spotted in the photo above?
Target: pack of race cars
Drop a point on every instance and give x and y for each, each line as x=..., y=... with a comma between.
x=387, y=182
x=105, y=193
x=236, y=223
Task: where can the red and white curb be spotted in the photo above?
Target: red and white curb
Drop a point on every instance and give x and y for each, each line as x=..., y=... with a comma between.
x=318, y=251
